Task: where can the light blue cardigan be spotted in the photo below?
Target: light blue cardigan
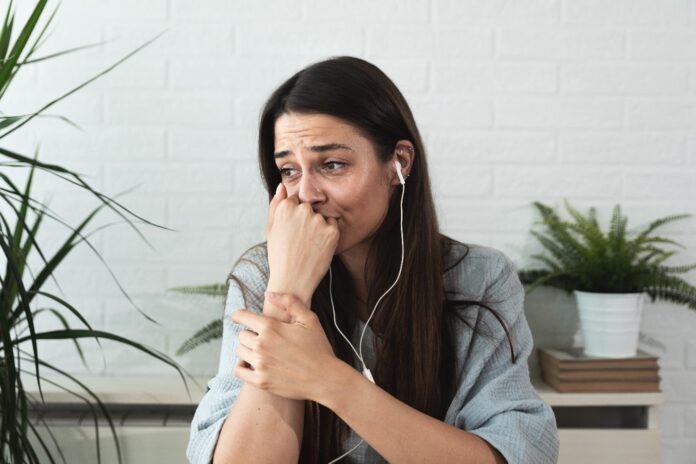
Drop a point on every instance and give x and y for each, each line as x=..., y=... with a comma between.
x=494, y=400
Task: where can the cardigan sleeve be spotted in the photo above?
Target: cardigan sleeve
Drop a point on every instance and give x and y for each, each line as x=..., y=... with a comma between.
x=224, y=388
x=501, y=405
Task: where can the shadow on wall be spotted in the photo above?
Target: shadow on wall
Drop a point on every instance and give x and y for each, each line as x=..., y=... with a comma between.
x=554, y=321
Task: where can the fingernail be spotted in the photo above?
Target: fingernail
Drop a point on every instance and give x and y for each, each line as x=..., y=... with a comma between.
x=278, y=188
x=272, y=294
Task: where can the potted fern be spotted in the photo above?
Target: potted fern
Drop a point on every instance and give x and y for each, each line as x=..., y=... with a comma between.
x=611, y=274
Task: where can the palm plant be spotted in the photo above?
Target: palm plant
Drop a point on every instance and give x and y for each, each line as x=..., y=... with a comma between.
x=19, y=238
x=582, y=257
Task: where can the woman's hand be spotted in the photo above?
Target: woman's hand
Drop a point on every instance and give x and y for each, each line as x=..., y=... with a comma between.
x=301, y=245
x=288, y=359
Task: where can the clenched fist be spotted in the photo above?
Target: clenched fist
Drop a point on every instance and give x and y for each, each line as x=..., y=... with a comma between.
x=301, y=245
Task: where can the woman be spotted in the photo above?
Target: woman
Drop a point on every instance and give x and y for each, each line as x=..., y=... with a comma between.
x=384, y=330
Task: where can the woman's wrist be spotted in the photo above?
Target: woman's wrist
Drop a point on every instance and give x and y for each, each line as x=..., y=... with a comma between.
x=300, y=291
x=339, y=379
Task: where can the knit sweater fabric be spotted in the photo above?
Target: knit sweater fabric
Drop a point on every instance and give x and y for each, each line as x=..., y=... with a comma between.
x=494, y=398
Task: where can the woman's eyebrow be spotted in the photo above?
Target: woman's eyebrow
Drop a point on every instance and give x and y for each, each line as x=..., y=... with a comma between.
x=316, y=149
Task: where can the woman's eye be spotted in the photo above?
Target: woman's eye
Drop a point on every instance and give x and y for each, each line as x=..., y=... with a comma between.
x=334, y=162
x=285, y=172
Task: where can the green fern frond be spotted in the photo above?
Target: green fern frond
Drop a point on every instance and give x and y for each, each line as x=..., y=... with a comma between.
x=586, y=227
x=210, y=290
x=617, y=225
x=674, y=289
x=538, y=278
x=645, y=240
x=563, y=255
x=679, y=269
x=562, y=235
x=208, y=333
x=662, y=258
x=548, y=261
x=662, y=221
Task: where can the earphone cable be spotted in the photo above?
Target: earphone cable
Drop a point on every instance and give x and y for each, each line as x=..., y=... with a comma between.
x=360, y=357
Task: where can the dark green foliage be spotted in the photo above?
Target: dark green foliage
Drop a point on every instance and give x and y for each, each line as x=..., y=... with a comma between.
x=580, y=256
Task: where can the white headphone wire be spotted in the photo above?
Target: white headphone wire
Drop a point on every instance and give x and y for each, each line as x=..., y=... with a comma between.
x=366, y=371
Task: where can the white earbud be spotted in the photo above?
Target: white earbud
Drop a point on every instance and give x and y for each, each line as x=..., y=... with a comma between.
x=398, y=172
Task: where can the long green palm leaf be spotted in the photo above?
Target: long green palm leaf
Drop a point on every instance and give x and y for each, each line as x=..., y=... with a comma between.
x=23, y=305
x=58, y=170
x=10, y=61
x=81, y=333
x=79, y=87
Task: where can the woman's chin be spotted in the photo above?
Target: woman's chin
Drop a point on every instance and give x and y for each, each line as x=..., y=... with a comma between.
x=341, y=246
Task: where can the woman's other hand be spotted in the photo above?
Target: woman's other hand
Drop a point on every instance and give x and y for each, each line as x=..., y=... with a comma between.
x=289, y=359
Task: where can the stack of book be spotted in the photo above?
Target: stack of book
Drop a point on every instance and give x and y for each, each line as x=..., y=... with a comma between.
x=571, y=370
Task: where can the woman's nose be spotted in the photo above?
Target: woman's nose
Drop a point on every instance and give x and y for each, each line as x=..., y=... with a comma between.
x=309, y=191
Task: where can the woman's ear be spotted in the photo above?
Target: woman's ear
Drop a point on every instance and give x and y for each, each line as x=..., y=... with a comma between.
x=404, y=154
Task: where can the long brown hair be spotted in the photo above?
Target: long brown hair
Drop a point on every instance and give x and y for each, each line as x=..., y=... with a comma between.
x=416, y=358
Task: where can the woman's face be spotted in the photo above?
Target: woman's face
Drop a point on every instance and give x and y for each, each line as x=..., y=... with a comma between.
x=325, y=162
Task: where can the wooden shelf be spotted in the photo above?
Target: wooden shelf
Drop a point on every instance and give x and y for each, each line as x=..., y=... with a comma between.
x=555, y=398
x=609, y=446
x=167, y=389
x=602, y=444
x=578, y=445
x=140, y=389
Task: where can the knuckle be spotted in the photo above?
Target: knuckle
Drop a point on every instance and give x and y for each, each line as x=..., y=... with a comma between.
x=266, y=325
x=269, y=337
x=259, y=345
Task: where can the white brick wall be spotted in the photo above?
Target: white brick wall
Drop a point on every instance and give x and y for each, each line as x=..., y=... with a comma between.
x=517, y=101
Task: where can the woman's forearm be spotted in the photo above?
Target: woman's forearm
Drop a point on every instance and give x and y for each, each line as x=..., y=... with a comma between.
x=262, y=427
x=397, y=431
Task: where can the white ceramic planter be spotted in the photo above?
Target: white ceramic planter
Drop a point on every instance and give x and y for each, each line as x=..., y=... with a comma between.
x=610, y=322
